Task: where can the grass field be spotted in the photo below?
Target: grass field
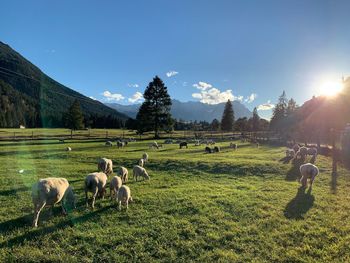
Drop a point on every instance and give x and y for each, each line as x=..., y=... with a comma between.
x=233, y=206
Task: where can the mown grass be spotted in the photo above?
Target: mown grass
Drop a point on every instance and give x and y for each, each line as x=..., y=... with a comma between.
x=233, y=206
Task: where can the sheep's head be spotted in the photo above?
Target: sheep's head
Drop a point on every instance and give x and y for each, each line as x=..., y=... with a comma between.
x=145, y=174
x=69, y=200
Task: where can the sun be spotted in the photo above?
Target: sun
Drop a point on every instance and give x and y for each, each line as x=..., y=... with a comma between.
x=330, y=88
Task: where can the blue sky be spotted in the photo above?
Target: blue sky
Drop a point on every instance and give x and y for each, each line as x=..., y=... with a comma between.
x=211, y=50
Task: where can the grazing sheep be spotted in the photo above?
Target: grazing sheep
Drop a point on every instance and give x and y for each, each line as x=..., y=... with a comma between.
x=290, y=153
x=145, y=157
x=208, y=150
x=120, y=144
x=123, y=173
x=153, y=145
x=296, y=148
x=141, y=162
x=197, y=143
x=114, y=186
x=312, y=151
x=68, y=149
x=96, y=184
x=308, y=171
x=105, y=165
x=140, y=171
x=216, y=149
x=50, y=191
x=109, y=143
x=301, y=153
x=124, y=196
x=183, y=144
x=233, y=145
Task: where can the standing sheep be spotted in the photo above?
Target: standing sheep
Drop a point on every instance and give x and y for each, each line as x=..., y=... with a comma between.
x=312, y=151
x=301, y=153
x=296, y=148
x=216, y=149
x=96, y=184
x=153, y=145
x=114, y=186
x=123, y=173
x=109, y=143
x=145, y=157
x=308, y=171
x=50, y=191
x=233, y=145
x=183, y=144
x=141, y=162
x=68, y=149
x=208, y=150
x=124, y=196
x=140, y=171
x=105, y=165
x=290, y=153
x=120, y=144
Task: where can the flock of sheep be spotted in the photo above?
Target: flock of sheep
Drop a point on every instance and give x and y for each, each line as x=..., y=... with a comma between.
x=50, y=191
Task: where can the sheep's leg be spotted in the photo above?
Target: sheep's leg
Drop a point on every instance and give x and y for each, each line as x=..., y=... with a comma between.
x=111, y=193
x=312, y=181
x=127, y=204
x=64, y=211
x=37, y=210
x=120, y=205
x=94, y=198
x=86, y=198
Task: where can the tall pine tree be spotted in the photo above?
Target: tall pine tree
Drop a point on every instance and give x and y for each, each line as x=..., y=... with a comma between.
x=255, y=120
x=74, y=118
x=228, y=117
x=279, y=113
x=154, y=113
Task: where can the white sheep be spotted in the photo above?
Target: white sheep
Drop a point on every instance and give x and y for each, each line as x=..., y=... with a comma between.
x=105, y=165
x=68, y=149
x=233, y=145
x=312, y=151
x=145, y=157
x=124, y=196
x=96, y=184
x=140, y=171
x=308, y=171
x=296, y=148
x=290, y=153
x=50, y=191
x=114, y=186
x=153, y=145
x=302, y=152
x=109, y=143
x=141, y=162
x=120, y=144
x=123, y=173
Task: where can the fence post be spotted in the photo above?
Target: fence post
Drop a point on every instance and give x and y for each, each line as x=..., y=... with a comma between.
x=71, y=134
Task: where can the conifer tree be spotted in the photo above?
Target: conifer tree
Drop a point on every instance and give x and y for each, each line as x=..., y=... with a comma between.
x=228, y=117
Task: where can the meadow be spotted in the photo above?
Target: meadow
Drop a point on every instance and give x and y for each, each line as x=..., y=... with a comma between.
x=232, y=206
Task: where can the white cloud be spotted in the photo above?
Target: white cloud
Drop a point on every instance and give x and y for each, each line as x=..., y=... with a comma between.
x=133, y=85
x=93, y=98
x=137, y=97
x=112, y=96
x=171, y=73
x=202, y=85
x=266, y=106
x=251, y=98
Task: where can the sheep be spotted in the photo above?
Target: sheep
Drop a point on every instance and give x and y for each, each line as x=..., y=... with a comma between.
x=312, y=151
x=153, y=145
x=216, y=149
x=141, y=162
x=208, y=150
x=296, y=148
x=105, y=165
x=96, y=184
x=145, y=157
x=302, y=152
x=233, y=145
x=114, y=186
x=183, y=144
x=197, y=143
x=123, y=173
x=124, y=196
x=68, y=149
x=308, y=171
x=140, y=171
x=120, y=144
x=257, y=145
x=109, y=143
x=290, y=153
x=50, y=191
x=61, y=140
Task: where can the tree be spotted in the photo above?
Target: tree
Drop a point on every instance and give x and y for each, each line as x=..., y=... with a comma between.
x=215, y=125
x=241, y=124
x=228, y=117
x=279, y=113
x=154, y=113
x=255, y=120
x=74, y=118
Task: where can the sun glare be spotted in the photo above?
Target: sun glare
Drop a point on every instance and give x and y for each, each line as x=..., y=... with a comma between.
x=330, y=88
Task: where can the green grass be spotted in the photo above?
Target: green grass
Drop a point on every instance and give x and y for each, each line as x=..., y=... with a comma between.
x=233, y=206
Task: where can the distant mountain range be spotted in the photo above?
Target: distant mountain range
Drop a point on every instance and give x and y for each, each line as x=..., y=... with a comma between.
x=31, y=98
x=189, y=111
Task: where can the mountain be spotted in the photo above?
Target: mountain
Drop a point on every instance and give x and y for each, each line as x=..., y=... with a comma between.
x=31, y=98
x=190, y=111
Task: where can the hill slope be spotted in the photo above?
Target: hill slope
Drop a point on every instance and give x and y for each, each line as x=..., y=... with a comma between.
x=191, y=110
x=30, y=97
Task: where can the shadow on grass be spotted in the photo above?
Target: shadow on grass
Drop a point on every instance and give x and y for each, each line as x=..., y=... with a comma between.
x=285, y=160
x=294, y=171
x=300, y=204
x=14, y=191
x=34, y=234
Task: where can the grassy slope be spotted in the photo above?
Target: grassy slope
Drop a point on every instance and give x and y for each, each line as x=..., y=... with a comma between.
x=231, y=206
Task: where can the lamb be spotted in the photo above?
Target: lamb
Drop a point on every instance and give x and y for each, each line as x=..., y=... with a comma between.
x=208, y=150
x=140, y=171
x=145, y=157
x=183, y=144
x=123, y=173
x=96, y=184
x=114, y=186
x=105, y=165
x=308, y=171
x=290, y=153
x=50, y=191
x=124, y=196
x=216, y=149
x=109, y=143
x=141, y=162
x=68, y=149
x=153, y=145
x=233, y=145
